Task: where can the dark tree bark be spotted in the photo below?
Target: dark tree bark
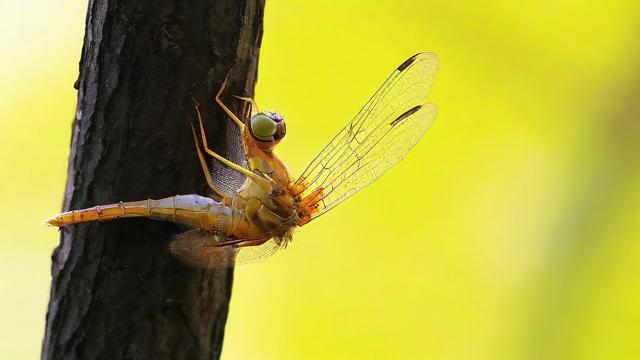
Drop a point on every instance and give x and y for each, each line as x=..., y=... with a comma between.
x=116, y=293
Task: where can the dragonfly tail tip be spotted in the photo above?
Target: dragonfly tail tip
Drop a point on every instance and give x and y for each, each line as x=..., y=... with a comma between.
x=54, y=221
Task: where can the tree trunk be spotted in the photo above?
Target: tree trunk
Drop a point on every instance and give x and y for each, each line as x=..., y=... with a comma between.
x=115, y=292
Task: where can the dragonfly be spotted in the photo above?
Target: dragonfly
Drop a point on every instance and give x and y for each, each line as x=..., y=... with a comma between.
x=256, y=215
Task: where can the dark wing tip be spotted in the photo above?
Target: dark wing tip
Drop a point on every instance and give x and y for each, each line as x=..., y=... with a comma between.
x=406, y=114
x=408, y=62
x=415, y=57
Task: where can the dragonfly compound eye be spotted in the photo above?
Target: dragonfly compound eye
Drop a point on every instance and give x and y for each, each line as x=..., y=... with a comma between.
x=281, y=131
x=262, y=127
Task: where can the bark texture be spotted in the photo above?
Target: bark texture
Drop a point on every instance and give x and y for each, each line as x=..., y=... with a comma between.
x=116, y=293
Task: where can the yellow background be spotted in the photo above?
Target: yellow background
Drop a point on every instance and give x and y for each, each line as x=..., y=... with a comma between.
x=510, y=232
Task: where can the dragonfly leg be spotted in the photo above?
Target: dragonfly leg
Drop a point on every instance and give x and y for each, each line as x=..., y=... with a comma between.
x=205, y=168
x=254, y=106
x=252, y=242
x=224, y=107
x=260, y=216
x=264, y=183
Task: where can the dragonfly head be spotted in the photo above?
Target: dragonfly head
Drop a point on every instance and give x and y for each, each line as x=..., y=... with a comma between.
x=267, y=127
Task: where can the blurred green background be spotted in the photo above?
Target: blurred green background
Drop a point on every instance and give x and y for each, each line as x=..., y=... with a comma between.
x=510, y=232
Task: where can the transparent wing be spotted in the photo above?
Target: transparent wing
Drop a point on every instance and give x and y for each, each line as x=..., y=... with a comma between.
x=250, y=254
x=207, y=250
x=224, y=178
x=379, y=136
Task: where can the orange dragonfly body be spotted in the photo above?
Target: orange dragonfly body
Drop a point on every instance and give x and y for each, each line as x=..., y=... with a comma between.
x=257, y=218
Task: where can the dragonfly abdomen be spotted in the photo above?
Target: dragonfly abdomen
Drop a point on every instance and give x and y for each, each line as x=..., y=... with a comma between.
x=194, y=211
